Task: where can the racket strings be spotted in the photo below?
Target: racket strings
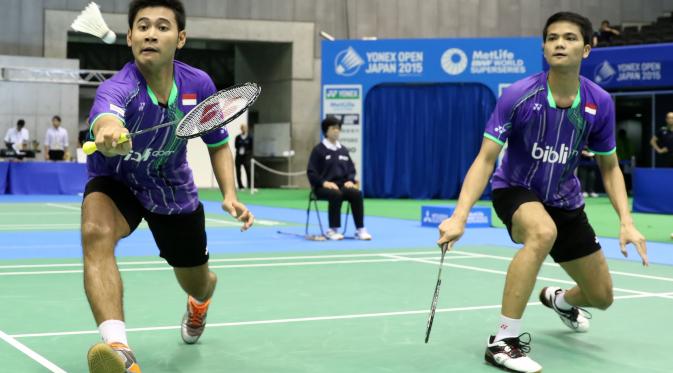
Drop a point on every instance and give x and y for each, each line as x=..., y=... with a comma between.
x=216, y=110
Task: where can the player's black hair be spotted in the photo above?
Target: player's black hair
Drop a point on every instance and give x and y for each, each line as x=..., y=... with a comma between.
x=582, y=22
x=175, y=5
x=330, y=121
x=20, y=122
x=56, y=117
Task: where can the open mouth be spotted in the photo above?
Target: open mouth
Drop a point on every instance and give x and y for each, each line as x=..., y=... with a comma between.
x=149, y=50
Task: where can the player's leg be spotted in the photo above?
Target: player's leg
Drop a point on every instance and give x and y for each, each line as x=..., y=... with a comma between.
x=529, y=223
x=578, y=252
x=335, y=200
x=354, y=197
x=183, y=243
x=246, y=165
x=103, y=225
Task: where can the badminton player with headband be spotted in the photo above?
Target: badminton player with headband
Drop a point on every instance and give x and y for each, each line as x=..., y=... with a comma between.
x=147, y=177
x=547, y=119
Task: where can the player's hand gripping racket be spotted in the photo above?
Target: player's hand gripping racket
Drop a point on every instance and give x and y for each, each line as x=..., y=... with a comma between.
x=210, y=114
x=435, y=296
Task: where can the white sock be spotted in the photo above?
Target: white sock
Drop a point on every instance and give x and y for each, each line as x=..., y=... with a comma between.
x=113, y=331
x=561, y=303
x=508, y=328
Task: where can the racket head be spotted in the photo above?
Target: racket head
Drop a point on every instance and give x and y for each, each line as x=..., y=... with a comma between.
x=217, y=110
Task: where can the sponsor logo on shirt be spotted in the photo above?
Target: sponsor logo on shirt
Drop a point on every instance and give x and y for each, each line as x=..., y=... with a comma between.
x=146, y=154
x=328, y=157
x=117, y=110
x=537, y=107
x=550, y=155
x=188, y=99
x=343, y=158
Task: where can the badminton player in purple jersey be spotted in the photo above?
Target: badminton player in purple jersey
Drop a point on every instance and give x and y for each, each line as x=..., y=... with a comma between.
x=149, y=179
x=546, y=120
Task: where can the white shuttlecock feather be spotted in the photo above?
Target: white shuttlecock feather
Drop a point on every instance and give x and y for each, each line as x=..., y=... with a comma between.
x=91, y=22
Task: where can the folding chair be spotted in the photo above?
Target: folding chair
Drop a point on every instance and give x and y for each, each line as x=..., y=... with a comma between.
x=312, y=198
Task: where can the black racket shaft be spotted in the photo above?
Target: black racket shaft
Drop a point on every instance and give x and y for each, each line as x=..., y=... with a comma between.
x=435, y=296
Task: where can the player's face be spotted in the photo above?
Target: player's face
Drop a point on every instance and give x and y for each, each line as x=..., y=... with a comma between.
x=564, y=46
x=669, y=119
x=155, y=36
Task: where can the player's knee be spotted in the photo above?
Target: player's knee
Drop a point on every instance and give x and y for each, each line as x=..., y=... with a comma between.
x=543, y=235
x=94, y=232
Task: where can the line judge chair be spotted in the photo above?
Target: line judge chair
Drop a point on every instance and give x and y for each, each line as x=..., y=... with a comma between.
x=313, y=199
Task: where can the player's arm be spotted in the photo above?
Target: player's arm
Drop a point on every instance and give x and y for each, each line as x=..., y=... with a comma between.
x=613, y=180
x=223, y=166
x=475, y=182
x=106, y=130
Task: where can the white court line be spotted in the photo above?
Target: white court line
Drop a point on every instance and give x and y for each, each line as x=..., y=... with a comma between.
x=234, y=223
x=271, y=258
x=478, y=269
x=30, y=353
x=168, y=268
x=649, y=277
x=41, y=213
x=60, y=205
x=309, y=319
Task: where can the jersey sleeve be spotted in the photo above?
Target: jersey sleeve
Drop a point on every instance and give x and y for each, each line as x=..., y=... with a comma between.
x=220, y=136
x=499, y=125
x=110, y=100
x=602, y=138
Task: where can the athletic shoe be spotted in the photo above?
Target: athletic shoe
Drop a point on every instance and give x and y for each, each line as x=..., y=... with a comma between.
x=362, y=234
x=576, y=318
x=510, y=354
x=332, y=234
x=112, y=358
x=194, y=320
x=593, y=194
x=585, y=194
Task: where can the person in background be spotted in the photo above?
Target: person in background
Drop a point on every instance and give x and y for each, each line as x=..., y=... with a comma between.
x=662, y=142
x=55, y=141
x=243, y=144
x=17, y=137
x=331, y=173
x=586, y=172
x=606, y=33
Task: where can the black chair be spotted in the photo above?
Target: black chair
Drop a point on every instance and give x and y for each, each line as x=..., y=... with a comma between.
x=312, y=198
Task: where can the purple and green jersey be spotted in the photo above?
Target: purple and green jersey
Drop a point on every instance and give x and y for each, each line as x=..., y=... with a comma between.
x=156, y=169
x=544, y=142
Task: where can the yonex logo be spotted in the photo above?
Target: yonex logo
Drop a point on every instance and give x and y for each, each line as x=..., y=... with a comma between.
x=348, y=62
x=500, y=129
x=454, y=61
x=537, y=107
x=604, y=73
x=549, y=155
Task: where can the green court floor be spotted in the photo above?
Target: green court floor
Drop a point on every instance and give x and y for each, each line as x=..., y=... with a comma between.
x=332, y=312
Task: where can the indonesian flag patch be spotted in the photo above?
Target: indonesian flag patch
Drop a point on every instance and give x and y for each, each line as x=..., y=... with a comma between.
x=188, y=99
x=590, y=108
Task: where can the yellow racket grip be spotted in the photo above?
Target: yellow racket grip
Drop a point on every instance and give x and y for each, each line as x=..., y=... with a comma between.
x=89, y=147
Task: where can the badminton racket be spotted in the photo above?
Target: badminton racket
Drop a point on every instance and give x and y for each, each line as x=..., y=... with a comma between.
x=435, y=296
x=210, y=114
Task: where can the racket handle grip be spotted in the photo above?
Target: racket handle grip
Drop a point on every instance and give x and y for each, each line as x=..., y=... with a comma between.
x=89, y=147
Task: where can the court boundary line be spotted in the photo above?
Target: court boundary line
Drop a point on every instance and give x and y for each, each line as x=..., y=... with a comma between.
x=317, y=318
x=478, y=269
x=30, y=353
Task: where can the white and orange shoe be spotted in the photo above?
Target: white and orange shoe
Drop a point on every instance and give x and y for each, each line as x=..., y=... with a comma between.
x=112, y=358
x=194, y=320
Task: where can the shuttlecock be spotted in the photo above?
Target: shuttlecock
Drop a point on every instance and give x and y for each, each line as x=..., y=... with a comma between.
x=91, y=22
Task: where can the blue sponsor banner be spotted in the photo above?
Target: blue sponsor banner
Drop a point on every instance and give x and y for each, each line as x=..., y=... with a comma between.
x=432, y=216
x=637, y=66
x=495, y=62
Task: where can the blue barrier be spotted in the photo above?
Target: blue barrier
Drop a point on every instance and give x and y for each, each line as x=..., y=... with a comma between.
x=432, y=216
x=652, y=190
x=4, y=171
x=42, y=177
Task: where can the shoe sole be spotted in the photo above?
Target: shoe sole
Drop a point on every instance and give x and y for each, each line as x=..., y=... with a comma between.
x=489, y=359
x=103, y=359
